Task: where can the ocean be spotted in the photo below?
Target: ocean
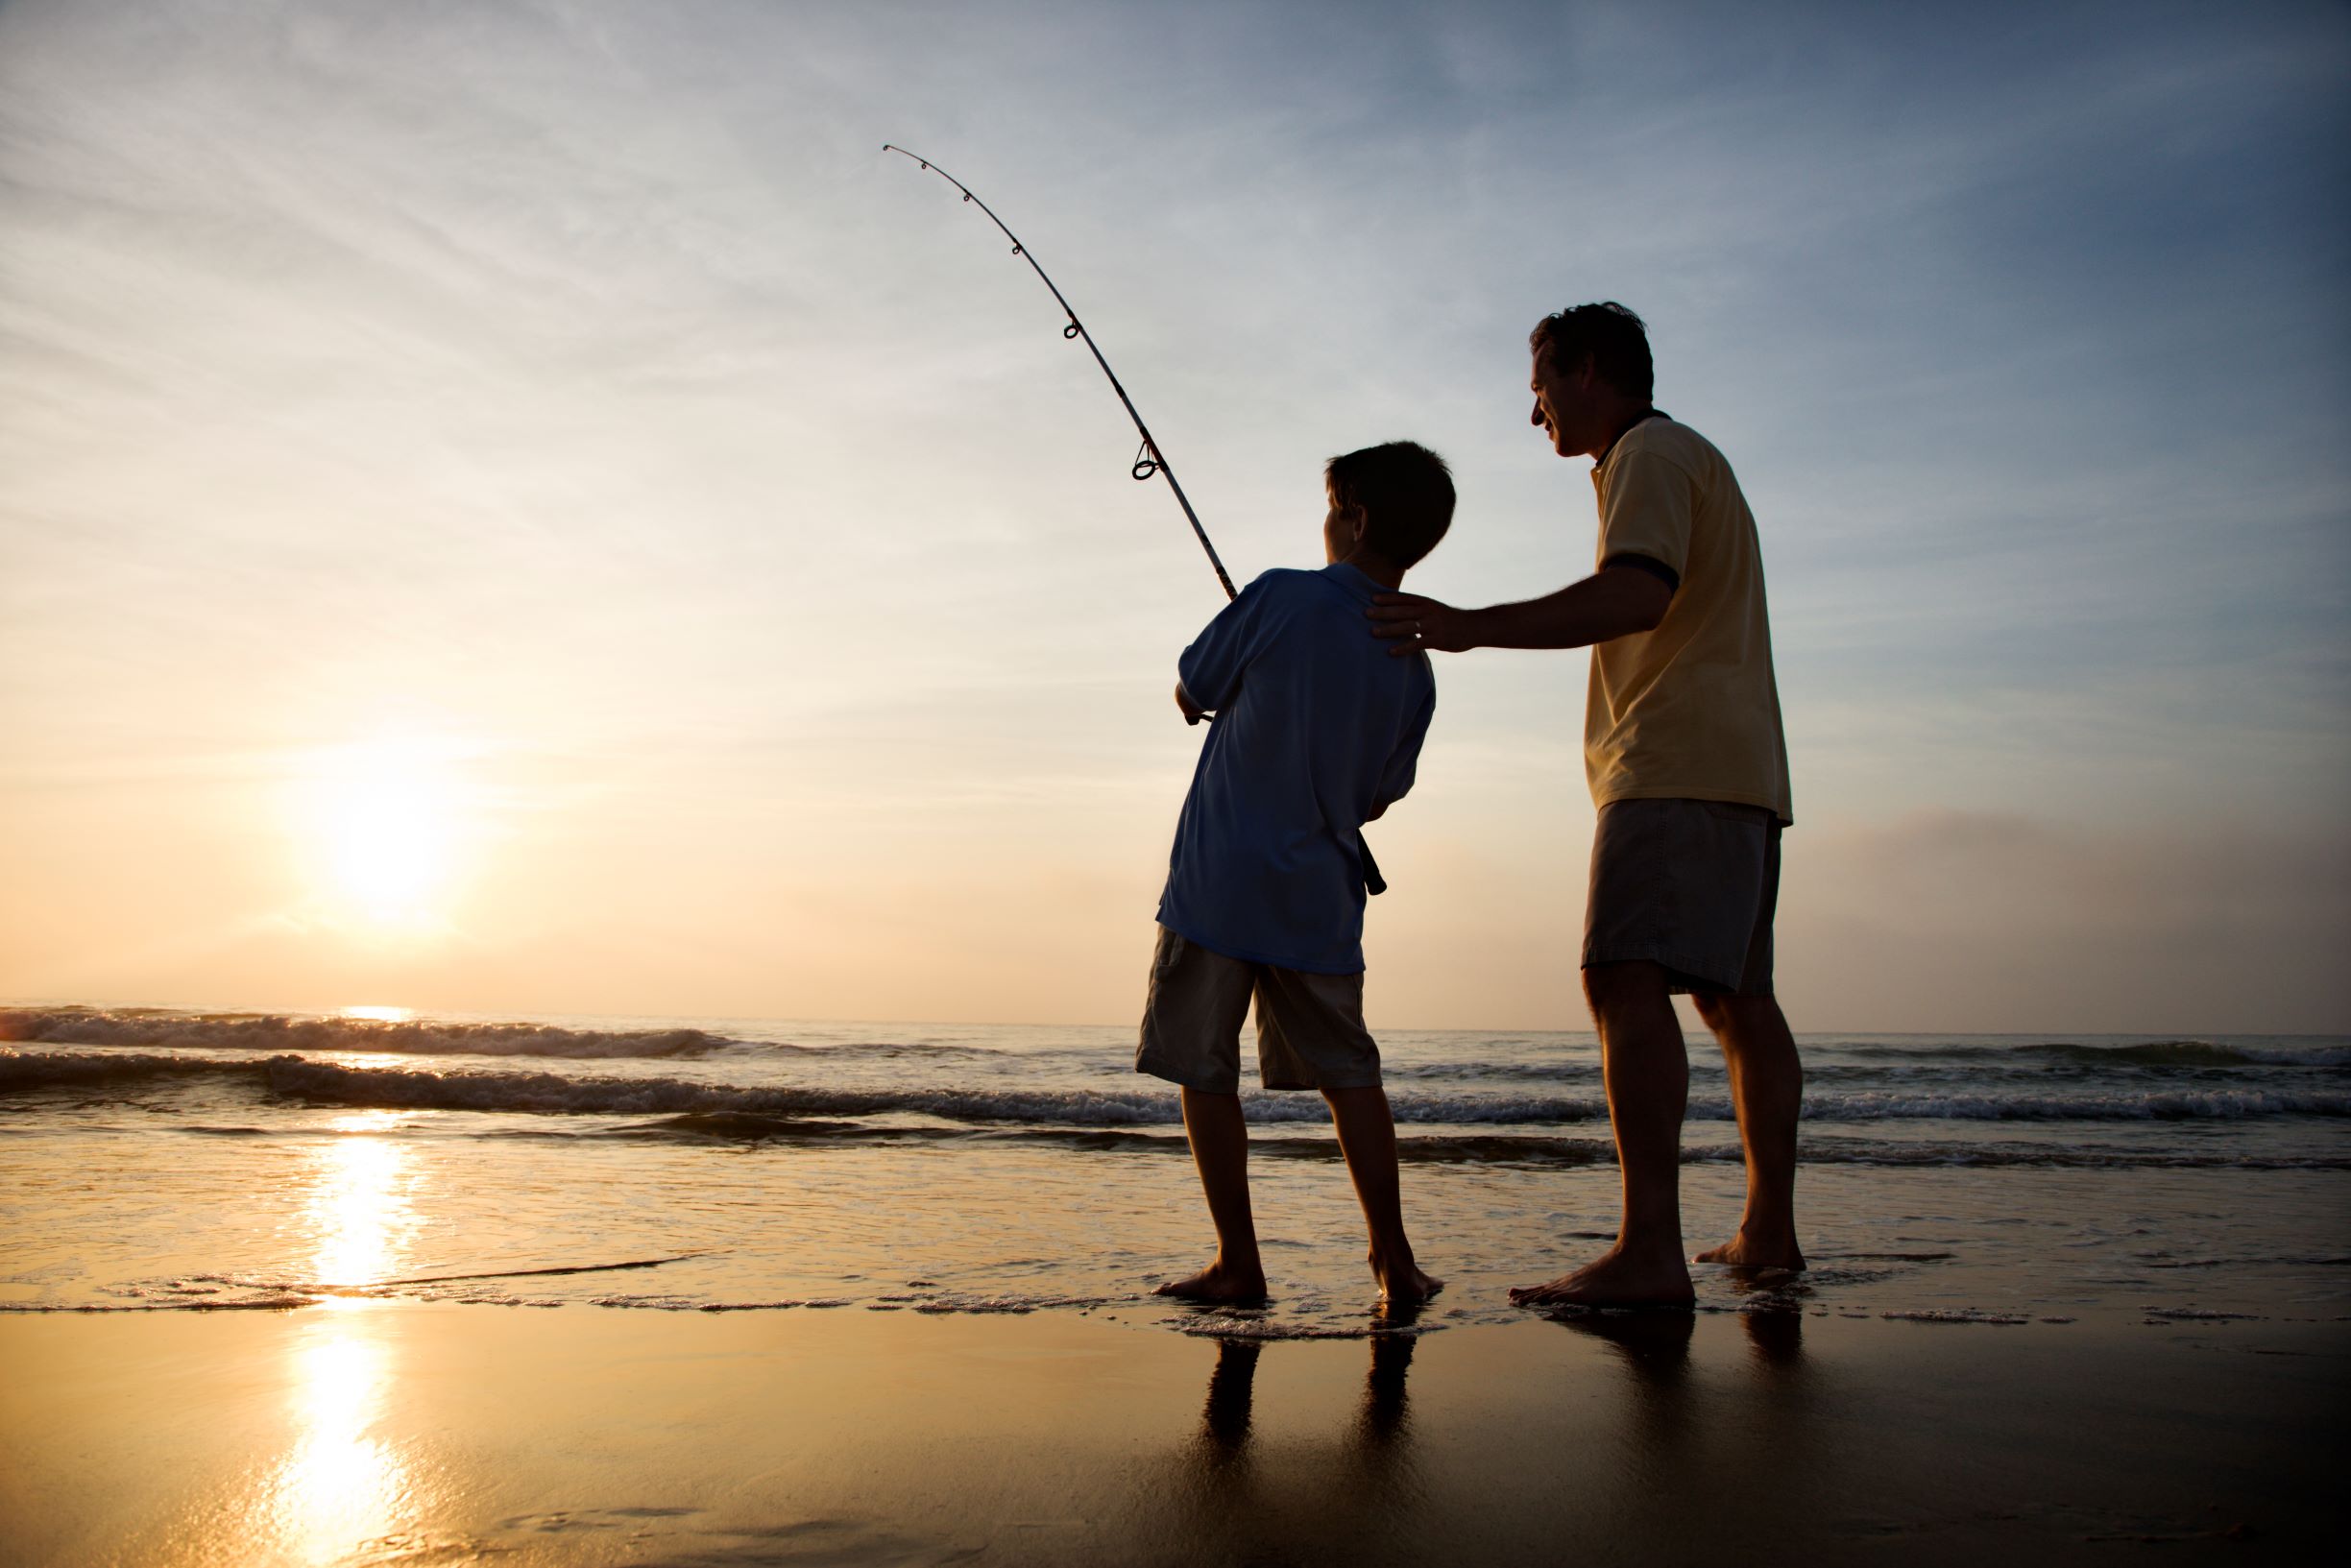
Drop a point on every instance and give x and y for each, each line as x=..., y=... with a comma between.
x=158, y=1160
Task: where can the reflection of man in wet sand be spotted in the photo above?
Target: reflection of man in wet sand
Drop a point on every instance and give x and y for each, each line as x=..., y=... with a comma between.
x=1684, y=752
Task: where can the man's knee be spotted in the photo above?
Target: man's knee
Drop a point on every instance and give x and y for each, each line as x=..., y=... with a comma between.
x=1735, y=1020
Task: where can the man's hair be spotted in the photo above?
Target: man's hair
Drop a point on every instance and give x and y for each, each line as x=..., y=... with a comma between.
x=1607, y=334
x=1406, y=492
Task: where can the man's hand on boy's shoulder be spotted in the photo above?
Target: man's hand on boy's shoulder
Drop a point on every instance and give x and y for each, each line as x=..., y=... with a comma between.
x=1413, y=623
x=1192, y=712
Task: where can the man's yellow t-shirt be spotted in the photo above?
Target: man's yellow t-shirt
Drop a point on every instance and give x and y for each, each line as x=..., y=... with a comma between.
x=1689, y=709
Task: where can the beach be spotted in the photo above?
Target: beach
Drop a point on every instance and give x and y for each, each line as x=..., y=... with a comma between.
x=391, y=1288
x=420, y=1433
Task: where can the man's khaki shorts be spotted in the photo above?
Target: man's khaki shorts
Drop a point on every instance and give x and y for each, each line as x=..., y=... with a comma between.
x=1689, y=884
x=1310, y=1027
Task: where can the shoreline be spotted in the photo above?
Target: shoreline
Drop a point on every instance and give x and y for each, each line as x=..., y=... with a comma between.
x=394, y=1432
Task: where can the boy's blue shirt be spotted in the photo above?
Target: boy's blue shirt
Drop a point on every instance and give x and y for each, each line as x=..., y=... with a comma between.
x=1316, y=723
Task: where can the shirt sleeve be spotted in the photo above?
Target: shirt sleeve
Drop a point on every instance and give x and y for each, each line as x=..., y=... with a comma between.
x=1211, y=668
x=1647, y=510
x=1404, y=764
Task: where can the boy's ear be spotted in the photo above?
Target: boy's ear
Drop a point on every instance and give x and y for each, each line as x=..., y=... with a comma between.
x=1358, y=523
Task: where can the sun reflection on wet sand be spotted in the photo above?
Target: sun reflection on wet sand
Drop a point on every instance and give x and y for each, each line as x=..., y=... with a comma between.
x=342, y=1482
x=341, y=1485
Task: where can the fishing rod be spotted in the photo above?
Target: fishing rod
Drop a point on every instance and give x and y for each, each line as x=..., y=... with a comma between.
x=1148, y=459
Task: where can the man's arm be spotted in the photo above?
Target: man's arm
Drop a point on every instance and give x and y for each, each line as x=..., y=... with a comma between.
x=1192, y=711
x=1615, y=601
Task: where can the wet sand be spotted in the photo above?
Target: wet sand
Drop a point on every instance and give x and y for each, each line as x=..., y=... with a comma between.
x=417, y=1433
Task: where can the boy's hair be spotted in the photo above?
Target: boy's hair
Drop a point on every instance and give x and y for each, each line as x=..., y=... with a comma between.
x=1406, y=492
x=1609, y=334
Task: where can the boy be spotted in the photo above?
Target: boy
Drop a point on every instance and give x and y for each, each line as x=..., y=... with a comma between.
x=1317, y=732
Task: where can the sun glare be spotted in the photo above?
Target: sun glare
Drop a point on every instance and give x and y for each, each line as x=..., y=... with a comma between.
x=386, y=821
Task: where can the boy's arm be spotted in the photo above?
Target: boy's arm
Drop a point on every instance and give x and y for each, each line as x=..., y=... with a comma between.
x=1208, y=672
x=1397, y=779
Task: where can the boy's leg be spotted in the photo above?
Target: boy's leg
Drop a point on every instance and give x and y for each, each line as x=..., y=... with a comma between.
x=1192, y=1037
x=1367, y=1136
x=1220, y=1152
x=1311, y=1034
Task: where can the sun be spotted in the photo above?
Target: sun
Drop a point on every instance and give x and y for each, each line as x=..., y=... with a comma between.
x=385, y=823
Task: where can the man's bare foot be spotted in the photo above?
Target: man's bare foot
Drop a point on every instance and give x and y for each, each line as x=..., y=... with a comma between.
x=1217, y=1284
x=1742, y=1251
x=1616, y=1279
x=1406, y=1284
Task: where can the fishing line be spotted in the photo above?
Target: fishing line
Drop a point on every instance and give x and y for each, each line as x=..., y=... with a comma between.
x=1148, y=459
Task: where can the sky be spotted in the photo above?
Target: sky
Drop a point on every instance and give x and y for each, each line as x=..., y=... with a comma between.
x=523, y=508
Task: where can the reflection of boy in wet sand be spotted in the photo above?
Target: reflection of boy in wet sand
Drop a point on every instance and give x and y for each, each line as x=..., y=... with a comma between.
x=1317, y=733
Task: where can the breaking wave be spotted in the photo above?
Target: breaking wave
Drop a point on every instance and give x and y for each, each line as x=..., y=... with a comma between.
x=2186, y=1053
x=722, y=1108
x=157, y=1031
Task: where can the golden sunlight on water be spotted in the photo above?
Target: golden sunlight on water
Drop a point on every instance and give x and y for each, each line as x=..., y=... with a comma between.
x=359, y=1207
x=378, y=1015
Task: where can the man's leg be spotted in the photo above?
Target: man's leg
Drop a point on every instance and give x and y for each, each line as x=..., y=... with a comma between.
x=1220, y=1151
x=1647, y=1075
x=1767, y=1090
x=1367, y=1136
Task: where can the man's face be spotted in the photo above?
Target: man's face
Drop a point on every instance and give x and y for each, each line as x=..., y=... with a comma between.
x=1562, y=404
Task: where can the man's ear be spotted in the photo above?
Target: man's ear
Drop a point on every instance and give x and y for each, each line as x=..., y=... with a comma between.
x=1358, y=523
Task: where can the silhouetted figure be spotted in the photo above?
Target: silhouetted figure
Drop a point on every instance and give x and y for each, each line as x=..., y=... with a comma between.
x=1316, y=734
x=1687, y=765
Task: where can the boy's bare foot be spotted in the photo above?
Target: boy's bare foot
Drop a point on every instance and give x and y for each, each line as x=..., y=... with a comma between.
x=1617, y=1278
x=1217, y=1284
x=1743, y=1252
x=1405, y=1283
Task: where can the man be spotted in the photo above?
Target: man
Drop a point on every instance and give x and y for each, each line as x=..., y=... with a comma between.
x=1688, y=766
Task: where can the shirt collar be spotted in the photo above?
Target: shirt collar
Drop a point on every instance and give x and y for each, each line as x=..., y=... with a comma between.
x=1353, y=581
x=1640, y=419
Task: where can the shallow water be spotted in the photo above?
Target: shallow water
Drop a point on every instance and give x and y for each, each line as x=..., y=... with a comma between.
x=158, y=1160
